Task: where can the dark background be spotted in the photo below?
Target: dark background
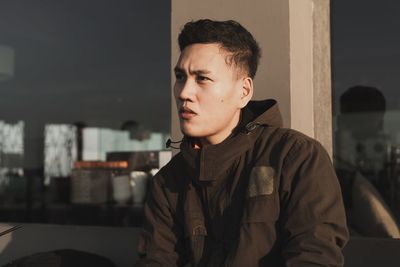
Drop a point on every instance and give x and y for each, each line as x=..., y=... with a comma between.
x=99, y=62
x=366, y=47
x=95, y=61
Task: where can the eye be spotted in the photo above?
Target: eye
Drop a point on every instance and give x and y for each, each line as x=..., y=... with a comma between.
x=179, y=77
x=201, y=78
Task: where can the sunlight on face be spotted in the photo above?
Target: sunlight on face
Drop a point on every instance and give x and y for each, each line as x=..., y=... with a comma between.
x=207, y=92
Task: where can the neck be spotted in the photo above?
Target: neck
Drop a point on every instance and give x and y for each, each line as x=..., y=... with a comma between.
x=222, y=135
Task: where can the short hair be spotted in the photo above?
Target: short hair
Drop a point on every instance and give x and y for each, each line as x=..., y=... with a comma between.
x=233, y=38
x=362, y=98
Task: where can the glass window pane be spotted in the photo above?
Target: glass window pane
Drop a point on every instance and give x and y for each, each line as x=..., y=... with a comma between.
x=85, y=95
x=366, y=103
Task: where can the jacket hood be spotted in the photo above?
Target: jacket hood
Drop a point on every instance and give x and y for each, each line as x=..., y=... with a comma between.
x=209, y=161
x=263, y=112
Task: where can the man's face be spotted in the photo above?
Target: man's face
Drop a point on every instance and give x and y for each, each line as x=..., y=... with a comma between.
x=208, y=93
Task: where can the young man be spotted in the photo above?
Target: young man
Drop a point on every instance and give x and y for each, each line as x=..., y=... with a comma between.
x=242, y=191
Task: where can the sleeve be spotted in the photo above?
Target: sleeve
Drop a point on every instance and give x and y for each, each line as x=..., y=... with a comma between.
x=159, y=240
x=313, y=218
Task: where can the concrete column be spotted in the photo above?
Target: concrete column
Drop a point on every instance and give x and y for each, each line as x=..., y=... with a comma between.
x=322, y=84
x=310, y=71
x=294, y=67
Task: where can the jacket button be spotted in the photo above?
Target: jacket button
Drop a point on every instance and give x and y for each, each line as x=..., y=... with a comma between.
x=251, y=126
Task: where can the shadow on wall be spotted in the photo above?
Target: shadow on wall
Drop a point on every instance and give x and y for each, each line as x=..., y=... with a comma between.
x=116, y=244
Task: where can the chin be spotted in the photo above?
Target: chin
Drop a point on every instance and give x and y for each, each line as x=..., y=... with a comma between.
x=191, y=131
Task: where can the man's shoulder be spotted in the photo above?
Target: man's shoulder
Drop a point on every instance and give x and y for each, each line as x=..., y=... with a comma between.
x=287, y=141
x=286, y=135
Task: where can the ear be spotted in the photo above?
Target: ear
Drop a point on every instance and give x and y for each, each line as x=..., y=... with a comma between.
x=246, y=92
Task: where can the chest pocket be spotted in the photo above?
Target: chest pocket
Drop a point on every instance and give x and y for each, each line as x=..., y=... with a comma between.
x=262, y=203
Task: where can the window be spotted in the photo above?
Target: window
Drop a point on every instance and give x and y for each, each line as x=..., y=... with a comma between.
x=367, y=113
x=81, y=82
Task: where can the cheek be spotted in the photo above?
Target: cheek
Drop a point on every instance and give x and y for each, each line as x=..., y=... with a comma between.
x=218, y=99
x=175, y=91
x=229, y=99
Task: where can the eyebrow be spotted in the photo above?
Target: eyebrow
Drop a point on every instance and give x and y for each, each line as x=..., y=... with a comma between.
x=201, y=72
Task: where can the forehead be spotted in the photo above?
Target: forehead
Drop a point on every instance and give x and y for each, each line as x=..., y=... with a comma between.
x=203, y=56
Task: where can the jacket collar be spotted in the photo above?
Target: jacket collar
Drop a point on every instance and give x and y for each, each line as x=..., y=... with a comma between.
x=265, y=112
x=208, y=162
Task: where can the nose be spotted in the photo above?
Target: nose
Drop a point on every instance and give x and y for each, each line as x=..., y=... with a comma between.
x=184, y=91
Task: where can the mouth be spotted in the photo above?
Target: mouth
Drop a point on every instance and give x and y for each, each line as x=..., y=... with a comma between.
x=186, y=113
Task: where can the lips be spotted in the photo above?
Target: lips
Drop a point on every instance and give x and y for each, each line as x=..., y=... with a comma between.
x=186, y=113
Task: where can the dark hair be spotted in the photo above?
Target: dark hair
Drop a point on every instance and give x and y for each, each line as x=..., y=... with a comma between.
x=233, y=37
x=362, y=99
